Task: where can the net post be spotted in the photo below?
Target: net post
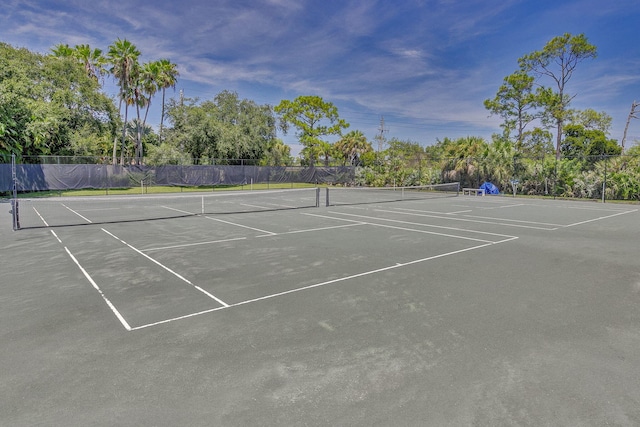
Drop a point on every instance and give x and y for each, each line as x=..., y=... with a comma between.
x=327, y=197
x=317, y=197
x=458, y=189
x=14, y=194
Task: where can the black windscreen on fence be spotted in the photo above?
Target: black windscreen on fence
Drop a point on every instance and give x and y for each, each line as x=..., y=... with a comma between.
x=43, y=177
x=5, y=177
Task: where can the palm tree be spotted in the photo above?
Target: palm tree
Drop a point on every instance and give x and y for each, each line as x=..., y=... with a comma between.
x=352, y=146
x=92, y=60
x=498, y=162
x=167, y=77
x=149, y=81
x=325, y=149
x=461, y=157
x=62, y=51
x=123, y=58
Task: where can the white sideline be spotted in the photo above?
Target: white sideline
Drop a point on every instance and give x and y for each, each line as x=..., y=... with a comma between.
x=93, y=283
x=167, y=269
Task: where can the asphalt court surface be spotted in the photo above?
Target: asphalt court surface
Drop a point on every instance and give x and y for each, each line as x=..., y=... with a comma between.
x=159, y=271
x=163, y=270
x=455, y=311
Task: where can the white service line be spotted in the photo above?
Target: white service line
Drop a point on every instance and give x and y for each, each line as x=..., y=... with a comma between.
x=211, y=242
x=366, y=273
x=186, y=245
x=173, y=319
x=453, y=218
x=513, y=220
x=311, y=230
x=602, y=217
x=83, y=217
x=502, y=207
x=374, y=224
x=417, y=224
x=93, y=283
x=240, y=225
x=179, y=210
x=167, y=269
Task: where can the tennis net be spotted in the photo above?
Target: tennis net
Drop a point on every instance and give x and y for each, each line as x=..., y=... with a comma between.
x=69, y=211
x=362, y=195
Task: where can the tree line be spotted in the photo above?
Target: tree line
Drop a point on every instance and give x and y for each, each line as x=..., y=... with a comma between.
x=54, y=104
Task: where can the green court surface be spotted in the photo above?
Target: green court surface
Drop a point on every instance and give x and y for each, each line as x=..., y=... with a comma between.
x=477, y=311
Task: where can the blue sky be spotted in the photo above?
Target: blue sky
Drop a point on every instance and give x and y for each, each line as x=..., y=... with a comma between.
x=426, y=66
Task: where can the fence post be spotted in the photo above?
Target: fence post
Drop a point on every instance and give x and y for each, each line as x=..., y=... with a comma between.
x=14, y=190
x=555, y=178
x=604, y=181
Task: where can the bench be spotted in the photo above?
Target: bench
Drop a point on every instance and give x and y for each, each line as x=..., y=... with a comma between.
x=473, y=191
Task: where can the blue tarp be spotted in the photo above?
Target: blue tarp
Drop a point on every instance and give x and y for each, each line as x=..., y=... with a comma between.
x=489, y=188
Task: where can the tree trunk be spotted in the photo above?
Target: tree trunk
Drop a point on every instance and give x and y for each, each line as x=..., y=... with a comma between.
x=124, y=133
x=138, y=135
x=115, y=138
x=558, y=139
x=161, y=118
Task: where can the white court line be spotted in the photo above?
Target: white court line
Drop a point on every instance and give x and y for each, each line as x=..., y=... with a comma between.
x=453, y=236
x=271, y=205
x=179, y=210
x=254, y=206
x=512, y=220
x=56, y=236
x=310, y=230
x=41, y=218
x=101, y=209
x=317, y=285
x=502, y=207
x=413, y=230
x=173, y=319
x=452, y=218
x=602, y=217
x=186, y=245
x=83, y=217
x=240, y=225
x=418, y=224
x=589, y=208
x=93, y=283
x=556, y=204
x=167, y=269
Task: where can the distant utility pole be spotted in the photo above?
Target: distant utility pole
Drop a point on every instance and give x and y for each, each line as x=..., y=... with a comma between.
x=633, y=114
x=380, y=137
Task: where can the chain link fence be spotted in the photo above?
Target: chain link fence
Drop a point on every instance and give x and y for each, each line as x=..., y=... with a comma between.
x=57, y=173
x=587, y=177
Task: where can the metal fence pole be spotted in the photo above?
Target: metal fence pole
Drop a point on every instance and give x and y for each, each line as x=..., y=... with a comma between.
x=14, y=200
x=604, y=181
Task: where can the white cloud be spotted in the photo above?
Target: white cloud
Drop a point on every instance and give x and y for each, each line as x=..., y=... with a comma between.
x=419, y=60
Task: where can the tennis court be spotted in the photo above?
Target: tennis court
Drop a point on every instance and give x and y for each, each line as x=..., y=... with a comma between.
x=321, y=307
